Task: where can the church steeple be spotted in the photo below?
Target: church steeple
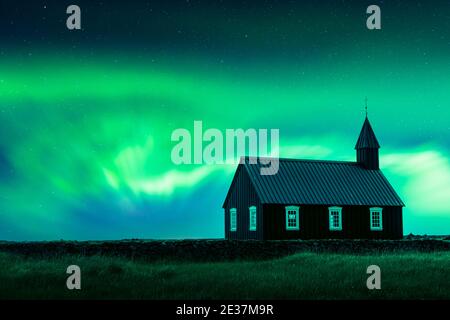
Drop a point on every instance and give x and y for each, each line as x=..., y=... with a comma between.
x=367, y=147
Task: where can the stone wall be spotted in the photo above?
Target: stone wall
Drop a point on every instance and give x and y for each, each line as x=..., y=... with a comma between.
x=216, y=250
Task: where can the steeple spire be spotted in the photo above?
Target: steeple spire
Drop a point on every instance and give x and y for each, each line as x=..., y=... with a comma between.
x=367, y=146
x=367, y=138
x=366, y=106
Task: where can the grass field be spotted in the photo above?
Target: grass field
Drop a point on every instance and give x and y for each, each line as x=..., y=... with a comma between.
x=300, y=276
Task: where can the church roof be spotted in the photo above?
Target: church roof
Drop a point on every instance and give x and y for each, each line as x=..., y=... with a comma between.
x=316, y=182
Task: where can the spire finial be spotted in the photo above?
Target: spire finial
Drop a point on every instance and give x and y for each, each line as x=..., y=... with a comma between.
x=366, y=106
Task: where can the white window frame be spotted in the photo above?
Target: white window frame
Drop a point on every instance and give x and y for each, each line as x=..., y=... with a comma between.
x=252, y=217
x=331, y=219
x=372, y=211
x=233, y=218
x=297, y=218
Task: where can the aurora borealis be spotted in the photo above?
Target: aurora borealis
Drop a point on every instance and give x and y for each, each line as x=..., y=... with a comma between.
x=86, y=116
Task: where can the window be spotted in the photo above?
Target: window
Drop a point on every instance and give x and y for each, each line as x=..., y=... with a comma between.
x=292, y=218
x=233, y=224
x=335, y=218
x=376, y=219
x=252, y=218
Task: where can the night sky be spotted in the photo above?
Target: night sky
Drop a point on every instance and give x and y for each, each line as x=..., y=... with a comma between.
x=86, y=116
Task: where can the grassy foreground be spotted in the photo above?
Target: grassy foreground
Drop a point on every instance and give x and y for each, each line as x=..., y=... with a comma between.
x=300, y=276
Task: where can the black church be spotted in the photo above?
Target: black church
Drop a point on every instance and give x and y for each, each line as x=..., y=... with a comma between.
x=314, y=199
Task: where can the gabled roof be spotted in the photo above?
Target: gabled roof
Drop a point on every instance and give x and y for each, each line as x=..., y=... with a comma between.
x=367, y=138
x=314, y=182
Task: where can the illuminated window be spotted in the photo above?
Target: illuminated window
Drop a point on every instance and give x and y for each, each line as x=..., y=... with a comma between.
x=292, y=218
x=252, y=211
x=335, y=214
x=233, y=219
x=376, y=219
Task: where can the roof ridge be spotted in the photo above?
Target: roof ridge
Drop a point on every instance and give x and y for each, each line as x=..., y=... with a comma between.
x=301, y=160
